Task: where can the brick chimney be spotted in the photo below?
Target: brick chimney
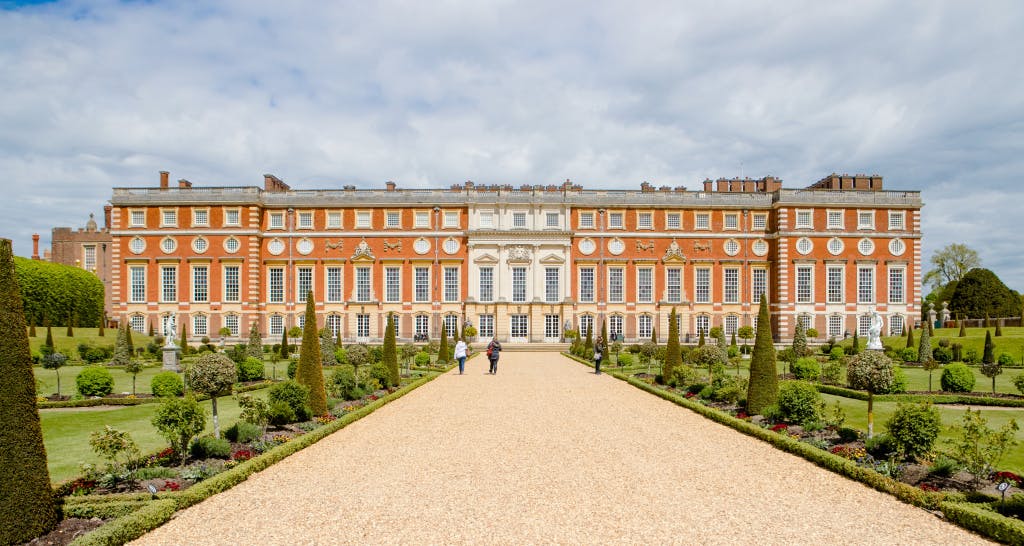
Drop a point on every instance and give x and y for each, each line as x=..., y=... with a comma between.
x=164, y=180
x=106, y=216
x=184, y=184
x=35, y=246
x=390, y=185
x=274, y=184
x=708, y=185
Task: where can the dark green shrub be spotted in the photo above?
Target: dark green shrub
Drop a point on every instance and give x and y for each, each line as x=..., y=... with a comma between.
x=380, y=372
x=179, y=420
x=847, y=434
x=971, y=356
x=729, y=388
x=294, y=395
x=899, y=382
x=422, y=359
x=913, y=429
x=800, y=402
x=880, y=446
x=707, y=392
x=942, y=355
x=1019, y=382
x=832, y=372
x=281, y=413
x=56, y=292
x=763, y=388
x=909, y=354
x=836, y=353
x=626, y=359
x=250, y=369
x=1005, y=359
x=94, y=381
x=209, y=447
x=293, y=366
x=167, y=383
x=806, y=368
x=243, y=432
x=957, y=377
x=682, y=375
x=343, y=383
x=310, y=370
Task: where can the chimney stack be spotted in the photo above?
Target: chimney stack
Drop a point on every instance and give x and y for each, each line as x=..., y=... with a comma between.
x=184, y=184
x=164, y=180
x=106, y=216
x=35, y=246
x=390, y=185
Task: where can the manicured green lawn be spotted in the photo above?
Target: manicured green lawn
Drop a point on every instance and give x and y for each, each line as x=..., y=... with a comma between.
x=69, y=345
x=917, y=380
x=1012, y=340
x=66, y=431
x=47, y=379
x=857, y=417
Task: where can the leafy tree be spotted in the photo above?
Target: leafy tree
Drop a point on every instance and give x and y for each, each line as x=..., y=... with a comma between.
x=654, y=336
x=212, y=374
x=179, y=420
x=673, y=356
x=337, y=342
x=978, y=448
x=255, y=346
x=133, y=367
x=924, y=350
x=708, y=357
x=408, y=352
x=358, y=355
x=310, y=372
x=800, y=339
x=763, y=388
x=870, y=371
x=951, y=264
x=930, y=365
x=914, y=428
x=746, y=333
x=981, y=294
x=391, y=352
x=27, y=504
x=812, y=333
x=990, y=367
x=53, y=291
x=55, y=361
x=604, y=332
x=71, y=329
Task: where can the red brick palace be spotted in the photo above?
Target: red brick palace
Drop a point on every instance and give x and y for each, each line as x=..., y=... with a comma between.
x=519, y=263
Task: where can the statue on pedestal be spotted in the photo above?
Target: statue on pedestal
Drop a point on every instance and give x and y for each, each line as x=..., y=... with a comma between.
x=875, y=332
x=169, y=328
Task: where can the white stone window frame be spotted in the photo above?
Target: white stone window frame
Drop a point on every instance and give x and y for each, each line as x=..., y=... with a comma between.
x=809, y=224
x=864, y=225
x=901, y=215
x=700, y=215
x=300, y=215
x=828, y=219
x=735, y=216
x=164, y=211
x=388, y=215
x=276, y=220
x=225, y=244
x=196, y=211
x=364, y=219
x=164, y=245
x=447, y=221
x=678, y=220
x=236, y=210
x=649, y=215
x=136, y=248
x=131, y=217
x=418, y=215
x=548, y=224
x=621, y=224
x=763, y=216
x=200, y=244
x=516, y=215
x=490, y=215
x=330, y=215
x=589, y=223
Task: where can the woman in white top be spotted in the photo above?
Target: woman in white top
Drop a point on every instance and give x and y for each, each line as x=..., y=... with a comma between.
x=460, y=354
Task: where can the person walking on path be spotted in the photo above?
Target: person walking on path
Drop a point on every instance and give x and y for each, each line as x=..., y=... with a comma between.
x=598, y=354
x=493, y=353
x=460, y=354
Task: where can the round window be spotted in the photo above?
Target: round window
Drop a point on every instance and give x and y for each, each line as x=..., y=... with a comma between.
x=804, y=245
x=587, y=246
x=897, y=247
x=200, y=245
x=732, y=247
x=760, y=247
x=835, y=246
x=451, y=246
x=137, y=245
x=168, y=245
x=232, y=245
x=305, y=246
x=616, y=246
x=421, y=246
x=865, y=246
x=275, y=247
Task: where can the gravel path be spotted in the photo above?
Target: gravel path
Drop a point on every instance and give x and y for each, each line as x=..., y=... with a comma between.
x=546, y=452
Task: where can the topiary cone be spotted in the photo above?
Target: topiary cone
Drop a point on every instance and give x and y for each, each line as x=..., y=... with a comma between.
x=310, y=371
x=27, y=504
x=391, y=351
x=764, y=382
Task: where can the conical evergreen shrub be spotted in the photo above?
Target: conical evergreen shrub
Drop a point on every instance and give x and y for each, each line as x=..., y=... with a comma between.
x=27, y=505
x=673, y=355
x=255, y=346
x=654, y=336
x=131, y=342
x=48, y=344
x=588, y=345
x=391, y=351
x=121, y=355
x=764, y=382
x=700, y=340
x=310, y=371
x=183, y=341
x=71, y=328
x=910, y=337
x=800, y=339
x=856, y=343
x=999, y=327
x=924, y=351
x=988, y=356
x=285, y=349
x=442, y=351
x=963, y=328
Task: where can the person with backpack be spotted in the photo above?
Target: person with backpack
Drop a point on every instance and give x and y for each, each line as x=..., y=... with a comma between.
x=493, y=353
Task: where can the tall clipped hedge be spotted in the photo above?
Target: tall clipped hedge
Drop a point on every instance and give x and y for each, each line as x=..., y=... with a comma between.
x=310, y=372
x=53, y=292
x=391, y=352
x=763, y=388
x=673, y=354
x=27, y=505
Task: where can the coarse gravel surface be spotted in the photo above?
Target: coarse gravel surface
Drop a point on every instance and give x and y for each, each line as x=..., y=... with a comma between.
x=546, y=452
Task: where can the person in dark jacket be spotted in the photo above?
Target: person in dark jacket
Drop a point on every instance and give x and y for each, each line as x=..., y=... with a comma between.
x=599, y=349
x=493, y=353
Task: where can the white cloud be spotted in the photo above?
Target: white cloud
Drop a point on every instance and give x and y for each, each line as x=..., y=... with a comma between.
x=102, y=94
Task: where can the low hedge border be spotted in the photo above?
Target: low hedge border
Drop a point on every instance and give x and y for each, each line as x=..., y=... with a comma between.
x=933, y=398
x=103, y=510
x=92, y=402
x=983, y=520
x=974, y=517
x=134, y=525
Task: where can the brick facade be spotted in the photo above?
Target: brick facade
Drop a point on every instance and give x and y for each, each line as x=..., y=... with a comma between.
x=523, y=263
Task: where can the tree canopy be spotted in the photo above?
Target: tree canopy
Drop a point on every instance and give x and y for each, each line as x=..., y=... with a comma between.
x=951, y=264
x=980, y=293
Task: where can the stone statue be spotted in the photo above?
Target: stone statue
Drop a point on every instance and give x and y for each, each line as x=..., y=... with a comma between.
x=875, y=332
x=169, y=328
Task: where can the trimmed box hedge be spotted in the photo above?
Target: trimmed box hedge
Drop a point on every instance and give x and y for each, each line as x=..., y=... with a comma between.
x=982, y=519
x=92, y=402
x=919, y=398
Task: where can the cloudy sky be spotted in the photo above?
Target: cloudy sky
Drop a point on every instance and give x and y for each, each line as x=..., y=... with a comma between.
x=928, y=94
